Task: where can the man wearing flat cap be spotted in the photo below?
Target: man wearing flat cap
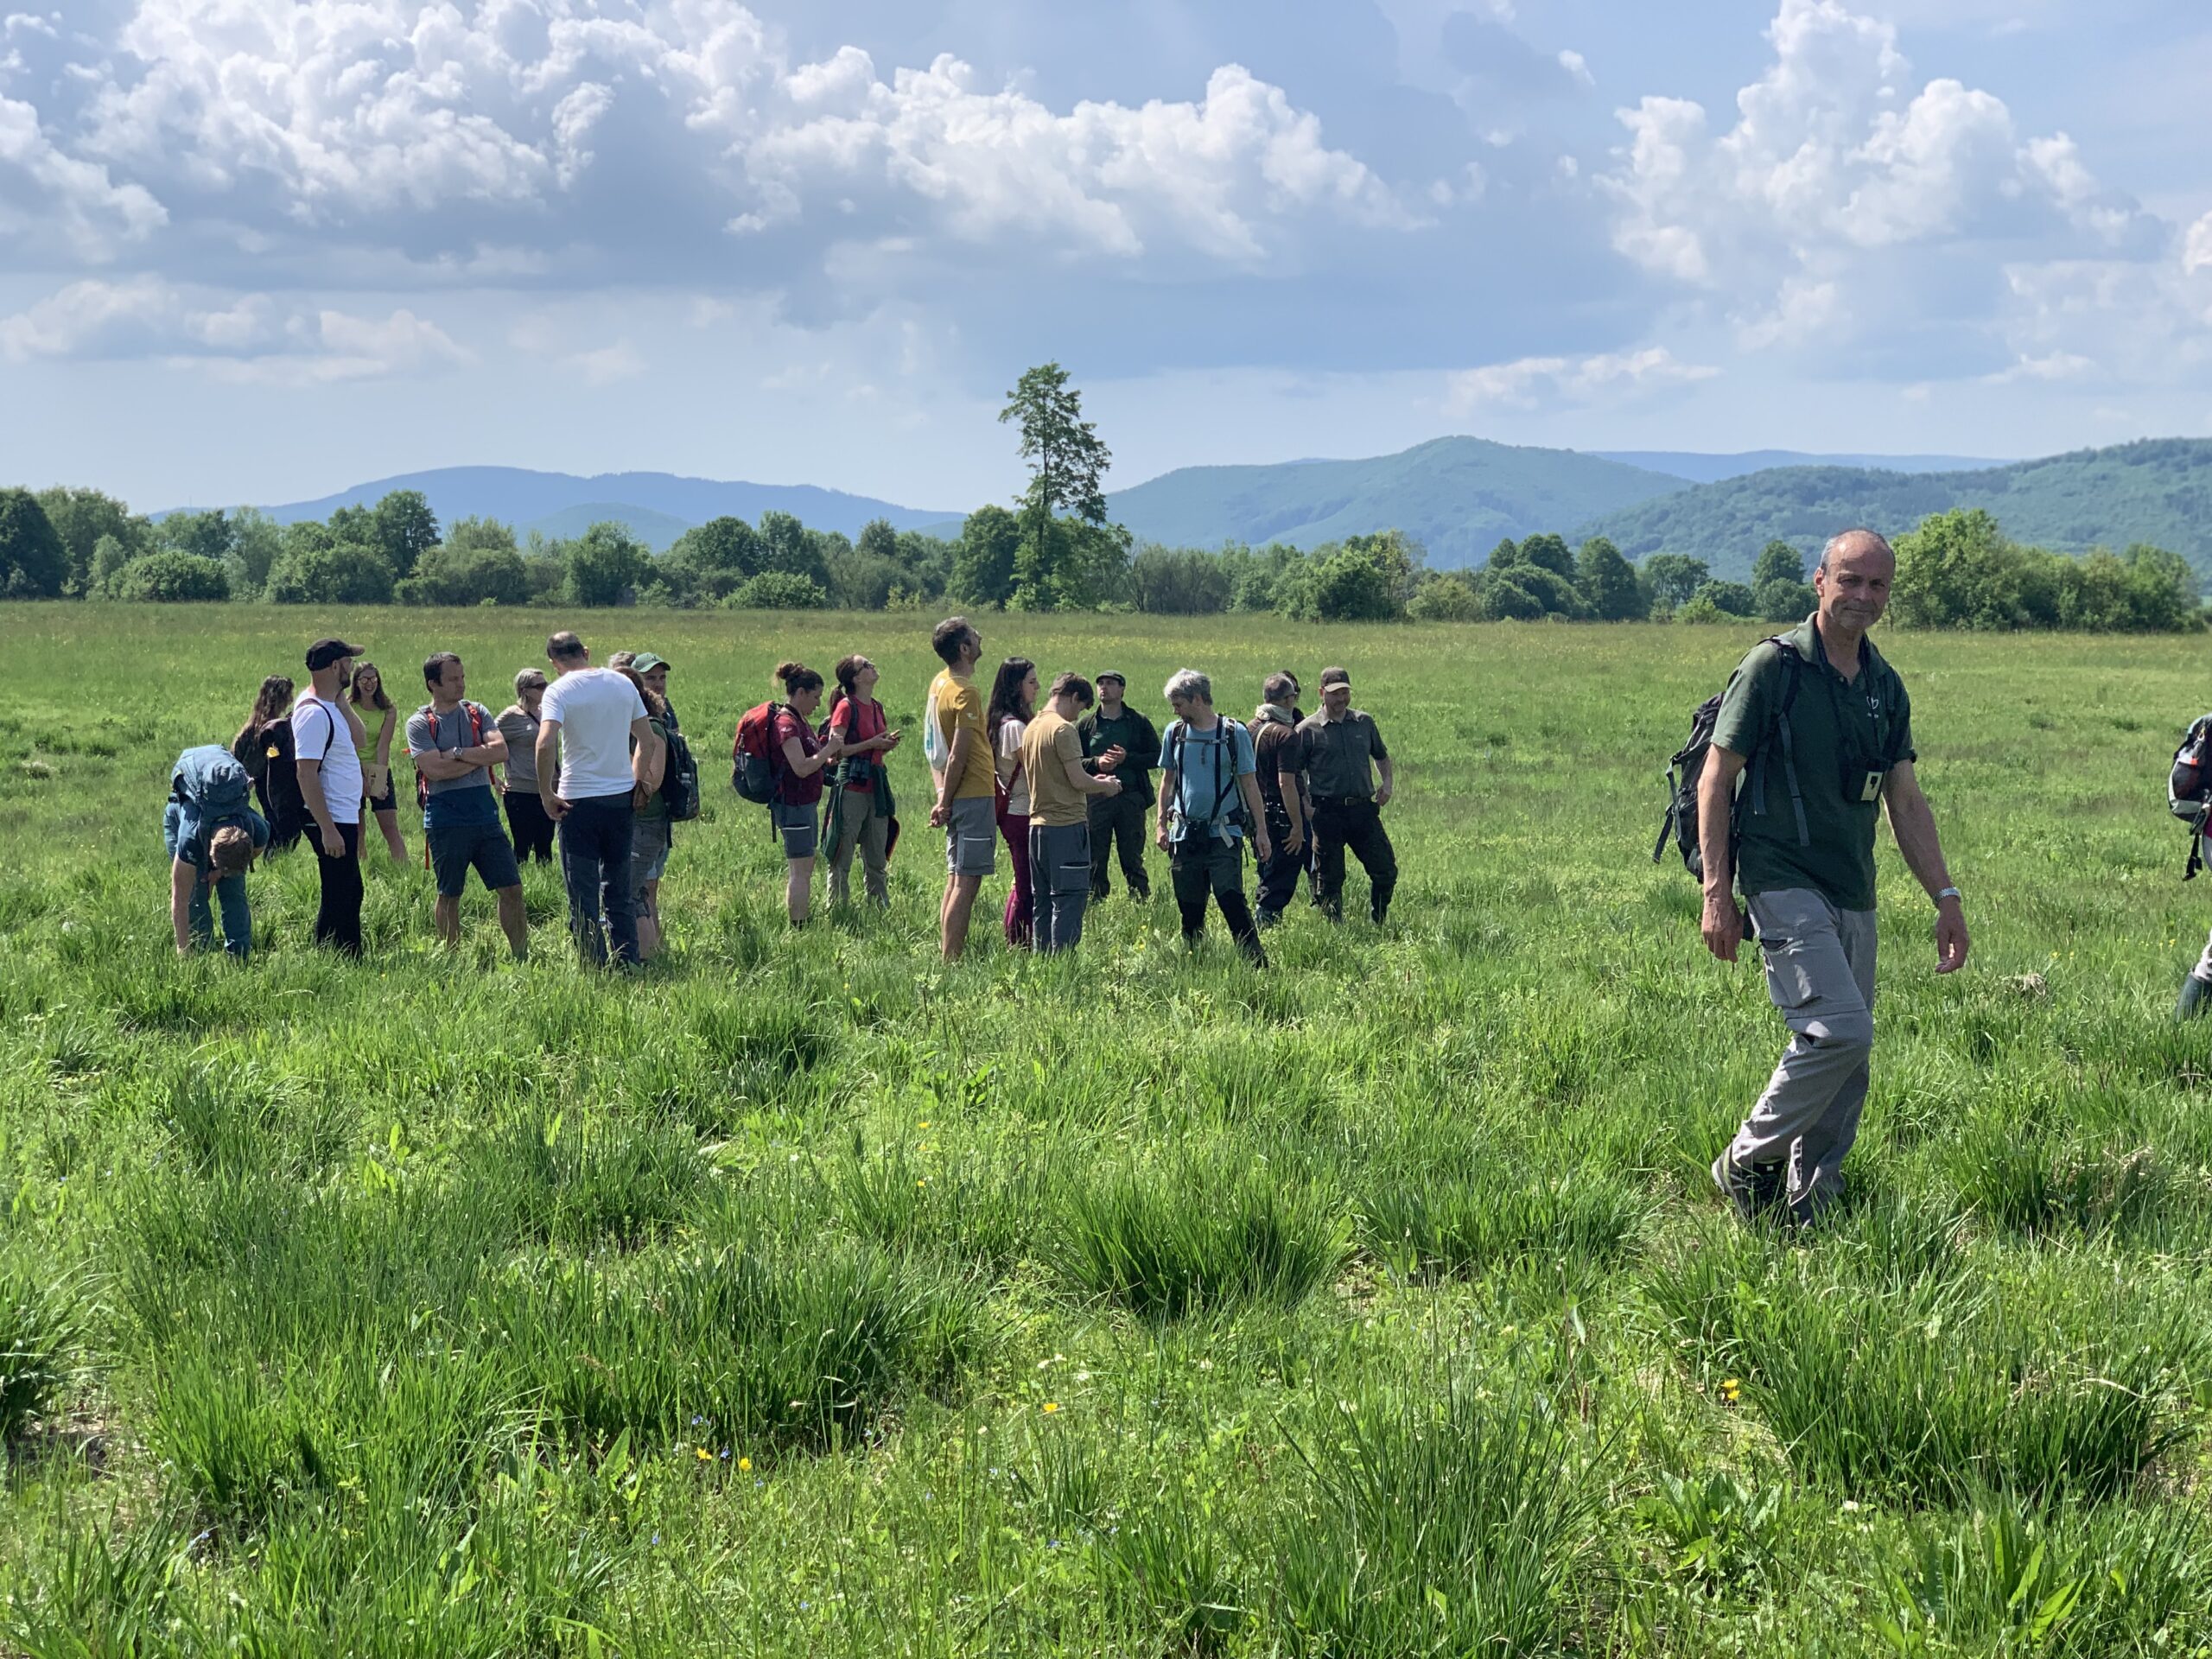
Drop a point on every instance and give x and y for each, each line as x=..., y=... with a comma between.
x=1334, y=750
x=1120, y=742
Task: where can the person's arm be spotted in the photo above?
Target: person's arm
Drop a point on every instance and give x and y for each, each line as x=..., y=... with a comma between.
x=1293, y=808
x=799, y=763
x=356, y=732
x=1170, y=782
x=1723, y=924
x=957, y=763
x=318, y=805
x=436, y=764
x=549, y=769
x=1912, y=820
x=647, y=755
x=384, y=736
x=1144, y=752
x=1382, y=760
x=1247, y=784
x=183, y=878
x=1006, y=758
x=1091, y=783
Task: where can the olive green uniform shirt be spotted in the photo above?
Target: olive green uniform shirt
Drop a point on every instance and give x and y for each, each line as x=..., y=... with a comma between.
x=1838, y=730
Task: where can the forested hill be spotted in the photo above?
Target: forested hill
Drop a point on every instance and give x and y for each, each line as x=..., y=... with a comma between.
x=1458, y=497
x=2159, y=491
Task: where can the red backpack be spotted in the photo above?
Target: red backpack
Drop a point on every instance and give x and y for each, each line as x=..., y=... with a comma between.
x=422, y=784
x=757, y=761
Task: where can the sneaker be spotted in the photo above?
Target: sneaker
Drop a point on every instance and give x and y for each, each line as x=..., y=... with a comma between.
x=1750, y=1189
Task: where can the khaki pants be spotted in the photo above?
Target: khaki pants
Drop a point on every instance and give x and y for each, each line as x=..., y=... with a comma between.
x=861, y=826
x=1820, y=973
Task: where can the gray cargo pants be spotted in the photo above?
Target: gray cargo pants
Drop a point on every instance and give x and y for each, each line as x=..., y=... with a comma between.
x=1819, y=973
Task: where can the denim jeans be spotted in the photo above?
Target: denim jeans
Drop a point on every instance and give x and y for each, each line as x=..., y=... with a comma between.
x=237, y=920
x=595, y=837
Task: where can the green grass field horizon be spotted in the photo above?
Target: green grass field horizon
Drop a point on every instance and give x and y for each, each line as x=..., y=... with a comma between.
x=804, y=1295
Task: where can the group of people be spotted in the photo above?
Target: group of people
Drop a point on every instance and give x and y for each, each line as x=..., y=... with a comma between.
x=1064, y=777
x=1067, y=787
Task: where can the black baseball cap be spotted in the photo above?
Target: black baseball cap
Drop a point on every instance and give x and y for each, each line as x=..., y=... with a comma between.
x=324, y=653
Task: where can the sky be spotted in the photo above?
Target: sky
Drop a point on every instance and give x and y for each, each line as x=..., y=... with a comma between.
x=261, y=249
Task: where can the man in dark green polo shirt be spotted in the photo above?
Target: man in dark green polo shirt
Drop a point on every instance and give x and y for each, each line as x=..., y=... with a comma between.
x=1334, y=750
x=1116, y=739
x=1825, y=729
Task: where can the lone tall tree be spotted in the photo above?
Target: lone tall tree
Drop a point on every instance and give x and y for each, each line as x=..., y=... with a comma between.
x=1066, y=462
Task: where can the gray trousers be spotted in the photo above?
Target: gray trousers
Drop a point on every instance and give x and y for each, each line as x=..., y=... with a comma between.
x=1819, y=973
x=1059, y=874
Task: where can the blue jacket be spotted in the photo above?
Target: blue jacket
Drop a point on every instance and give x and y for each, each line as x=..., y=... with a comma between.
x=187, y=838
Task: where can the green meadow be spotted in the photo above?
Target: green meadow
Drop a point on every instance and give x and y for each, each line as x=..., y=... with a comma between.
x=804, y=1296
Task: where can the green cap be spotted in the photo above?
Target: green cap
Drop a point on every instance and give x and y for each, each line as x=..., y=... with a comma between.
x=1111, y=674
x=644, y=662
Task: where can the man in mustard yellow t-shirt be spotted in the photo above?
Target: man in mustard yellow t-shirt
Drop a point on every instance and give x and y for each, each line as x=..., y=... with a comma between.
x=960, y=760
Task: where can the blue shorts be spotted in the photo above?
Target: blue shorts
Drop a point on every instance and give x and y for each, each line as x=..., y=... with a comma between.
x=800, y=827
x=457, y=849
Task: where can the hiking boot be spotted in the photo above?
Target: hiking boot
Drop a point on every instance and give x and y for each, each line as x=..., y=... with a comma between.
x=2196, y=994
x=1752, y=1189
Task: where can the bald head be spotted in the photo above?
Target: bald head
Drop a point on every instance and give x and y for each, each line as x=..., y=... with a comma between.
x=1852, y=542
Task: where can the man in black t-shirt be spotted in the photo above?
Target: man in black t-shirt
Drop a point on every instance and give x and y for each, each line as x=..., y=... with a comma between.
x=1274, y=742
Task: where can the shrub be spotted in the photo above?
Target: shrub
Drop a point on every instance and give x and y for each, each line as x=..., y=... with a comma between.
x=1448, y=599
x=464, y=575
x=1350, y=584
x=779, y=590
x=171, y=578
x=347, y=574
x=33, y=561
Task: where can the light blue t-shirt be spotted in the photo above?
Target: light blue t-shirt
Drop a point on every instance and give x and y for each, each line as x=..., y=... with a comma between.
x=1206, y=773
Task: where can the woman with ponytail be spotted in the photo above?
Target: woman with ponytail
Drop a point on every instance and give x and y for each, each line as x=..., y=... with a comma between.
x=795, y=811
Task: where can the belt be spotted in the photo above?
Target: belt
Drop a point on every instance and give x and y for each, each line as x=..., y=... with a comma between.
x=1344, y=800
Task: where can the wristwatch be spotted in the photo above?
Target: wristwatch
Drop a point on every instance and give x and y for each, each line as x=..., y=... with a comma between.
x=1949, y=892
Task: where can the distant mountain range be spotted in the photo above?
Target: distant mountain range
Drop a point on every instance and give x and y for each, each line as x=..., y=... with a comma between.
x=1457, y=496
x=2158, y=490
x=658, y=507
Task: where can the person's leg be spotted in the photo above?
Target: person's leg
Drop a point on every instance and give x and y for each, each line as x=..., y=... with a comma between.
x=328, y=887
x=798, y=890
x=1370, y=844
x=446, y=913
x=1225, y=871
x=852, y=811
x=959, y=908
x=1329, y=829
x=874, y=832
x=616, y=896
x=1278, y=872
x=522, y=826
x=514, y=920
x=1817, y=1166
x=581, y=842
x=492, y=855
x=649, y=845
x=388, y=821
x=349, y=936
x=1187, y=873
x=1020, y=921
x=237, y=920
x=2196, y=990
x=971, y=854
x=1101, y=809
x=1813, y=984
x=1060, y=865
x=1129, y=838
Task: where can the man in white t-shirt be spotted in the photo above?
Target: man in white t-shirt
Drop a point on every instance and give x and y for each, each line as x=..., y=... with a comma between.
x=327, y=738
x=596, y=756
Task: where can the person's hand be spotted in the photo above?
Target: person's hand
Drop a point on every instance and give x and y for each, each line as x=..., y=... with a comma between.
x=1383, y=796
x=1261, y=846
x=834, y=747
x=639, y=795
x=1951, y=941
x=1723, y=925
x=1111, y=760
x=1294, y=843
x=889, y=742
x=1113, y=788
x=939, y=812
x=556, y=809
x=327, y=839
x=1161, y=839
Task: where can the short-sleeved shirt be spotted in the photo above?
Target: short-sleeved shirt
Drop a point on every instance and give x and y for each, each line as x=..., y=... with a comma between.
x=188, y=837
x=319, y=733
x=859, y=722
x=956, y=706
x=1275, y=746
x=594, y=707
x=1206, y=772
x=1838, y=730
x=1007, y=747
x=1335, y=755
x=452, y=803
x=519, y=726
x=792, y=790
x=1048, y=747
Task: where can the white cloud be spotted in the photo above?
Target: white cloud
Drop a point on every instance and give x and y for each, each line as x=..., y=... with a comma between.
x=1576, y=66
x=96, y=213
x=2196, y=252
x=253, y=337
x=1530, y=382
x=332, y=115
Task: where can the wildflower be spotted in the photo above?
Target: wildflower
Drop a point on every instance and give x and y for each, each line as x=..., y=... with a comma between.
x=705, y=1455
x=1729, y=1387
x=745, y=1466
x=1051, y=1406
x=924, y=1124
x=1206, y=1364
